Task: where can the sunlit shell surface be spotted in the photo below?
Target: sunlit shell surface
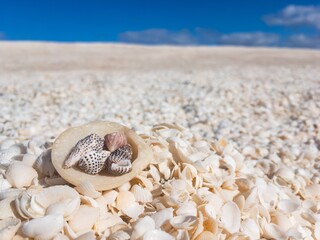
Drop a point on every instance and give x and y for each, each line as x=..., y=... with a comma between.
x=183, y=187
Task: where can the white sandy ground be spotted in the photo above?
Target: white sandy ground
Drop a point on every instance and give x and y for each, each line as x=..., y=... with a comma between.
x=264, y=101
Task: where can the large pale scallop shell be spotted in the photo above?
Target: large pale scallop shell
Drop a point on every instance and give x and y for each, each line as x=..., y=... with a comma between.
x=115, y=140
x=141, y=155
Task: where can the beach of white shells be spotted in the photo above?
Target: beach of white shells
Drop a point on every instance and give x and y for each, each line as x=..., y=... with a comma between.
x=235, y=134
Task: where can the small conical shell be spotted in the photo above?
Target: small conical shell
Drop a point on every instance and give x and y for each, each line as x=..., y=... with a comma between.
x=115, y=140
x=93, y=162
x=92, y=142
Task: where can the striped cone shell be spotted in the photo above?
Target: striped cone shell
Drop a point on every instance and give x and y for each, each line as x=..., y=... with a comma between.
x=119, y=161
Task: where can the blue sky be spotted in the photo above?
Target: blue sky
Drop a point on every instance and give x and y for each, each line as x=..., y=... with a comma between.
x=201, y=22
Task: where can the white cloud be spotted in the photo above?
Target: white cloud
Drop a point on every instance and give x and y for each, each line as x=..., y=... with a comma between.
x=249, y=39
x=158, y=36
x=301, y=40
x=199, y=37
x=295, y=15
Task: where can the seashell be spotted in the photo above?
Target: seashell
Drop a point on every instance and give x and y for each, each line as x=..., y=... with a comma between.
x=205, y=235
x=187, y=208
x=162, y=217
x=124, y=152
x=108, y=221
x=199, y=228
x=11, y=192
x=141, y=194
x=44, y=165
x=4, y=184
x=312, y=191
x=92, y=142
x=230, y=217
x=288, y=205
x=273, y=231
x=317, y=230
x=60, y=236
x=33, y=148
x=6, y=144
x=142, y=226
x=56, y=209
x=87, y=189
x=44, y=227
x=67, y=230
x=141, y=155
x=119, y=161
x=119, y=235
x=7, y=209
x=86, y=236
x=183, y=222
x=84, y=219
x=250, y=228
x=157, y=235
x=8, y=228
x=93, y=162
x=124, y=187
x=133, y=211
x=110, y=196
x=120, y=168
x=20, y=175
x=29, y=159
x=281, y=220
x=115, y=140
x=6, y=156
x=124, y=199
x=155, y=173
x=35, y=204
x=143, y=181
x=182, y=234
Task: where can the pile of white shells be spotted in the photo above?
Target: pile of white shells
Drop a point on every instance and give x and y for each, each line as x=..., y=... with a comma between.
x=245, y=163
x=194, y=189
